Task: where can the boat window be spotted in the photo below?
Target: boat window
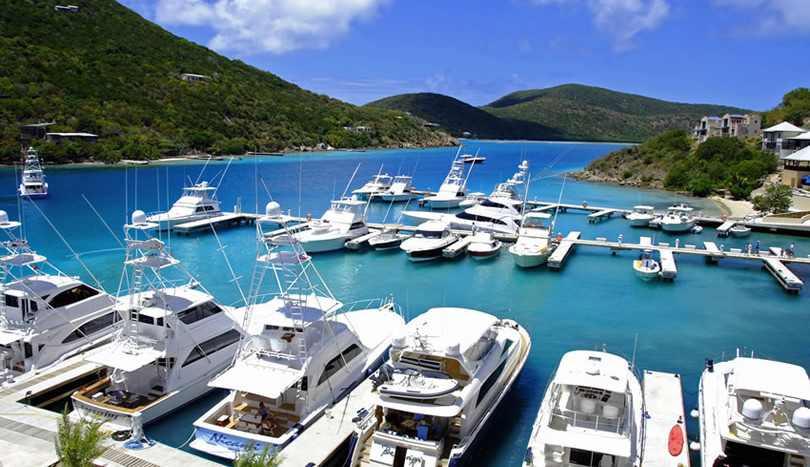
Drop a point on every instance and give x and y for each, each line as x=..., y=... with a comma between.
x=199, y=312
x=357, y=225
x=337, y=363
x=91, y=327
x=71, y=296
x=165, y=362
x=12, y=301
x=270, y=327
x=212, y=345
x=429, y=234
x=482, y=393
x=582, y=457
x=200, y=209
x=506, y=346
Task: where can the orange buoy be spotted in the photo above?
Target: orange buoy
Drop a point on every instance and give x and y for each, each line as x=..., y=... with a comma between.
x=584, y=204
x=675, y=443
x=309, y=217
x=559, y=237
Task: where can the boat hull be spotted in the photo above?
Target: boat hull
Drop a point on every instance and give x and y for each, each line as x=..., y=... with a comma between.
x=167, y=223
x=646, y=273
x=444, y=203
x=677, y=227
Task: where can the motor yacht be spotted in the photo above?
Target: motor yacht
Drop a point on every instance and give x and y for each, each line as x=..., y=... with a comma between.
x=754, y=411
x=344, y=220
x=400, y=190
x=428, y=241
x=533, y=245
x=472, y=158
x=445, y=378
x=46, y=314
x=510, y=189
x=678, y=218
x=498, y=215
x=646, y=267
x=483, y=246
x=175, y=338
x=376, y=186
x=641, y=216
x=591, y=414
x=33, y=184
x=197, y=202
x=452, y=191
x=305, y=350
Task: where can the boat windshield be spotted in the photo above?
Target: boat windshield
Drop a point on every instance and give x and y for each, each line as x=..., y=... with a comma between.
x=430, y=233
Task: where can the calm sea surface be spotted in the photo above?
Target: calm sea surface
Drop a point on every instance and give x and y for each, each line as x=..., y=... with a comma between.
x=594, y=300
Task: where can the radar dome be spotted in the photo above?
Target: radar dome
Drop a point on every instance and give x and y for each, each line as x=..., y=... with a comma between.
x=3, y=217
x=752, y=409
x=138, y=217
x=801, y=418
x=273, y=209
x=399, y=341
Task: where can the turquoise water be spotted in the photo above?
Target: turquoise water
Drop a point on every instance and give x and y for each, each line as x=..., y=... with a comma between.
x=594, y=300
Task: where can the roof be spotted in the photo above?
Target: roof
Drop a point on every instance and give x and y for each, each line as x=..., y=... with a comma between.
x=260, y=378
x=784, y=126
x=593, y=369
x=803, y=137
x=447, y=326
x=770, y=376
x=799, y=156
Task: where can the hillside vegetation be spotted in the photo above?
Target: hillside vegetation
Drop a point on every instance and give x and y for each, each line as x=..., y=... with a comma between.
x=105, y=70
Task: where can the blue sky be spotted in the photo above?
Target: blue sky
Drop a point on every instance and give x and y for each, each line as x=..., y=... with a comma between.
x=744, y=53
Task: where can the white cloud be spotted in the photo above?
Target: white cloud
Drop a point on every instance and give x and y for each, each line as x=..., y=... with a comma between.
x=276, y=26
x=621, y=20
x=774, y=17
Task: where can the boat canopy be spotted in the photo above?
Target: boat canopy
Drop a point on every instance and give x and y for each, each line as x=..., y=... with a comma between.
x=425, y=408
x=771, y=377
x=269, y=382
x=445, y=327
x=7, y=337
x=593, y=369
x=125, y=357
x=588, y=441
x=22, y=259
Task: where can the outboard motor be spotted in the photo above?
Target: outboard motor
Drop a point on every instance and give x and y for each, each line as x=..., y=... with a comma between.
x=710, y=364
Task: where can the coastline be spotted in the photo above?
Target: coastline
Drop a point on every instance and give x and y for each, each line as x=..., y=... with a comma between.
x=734, y=208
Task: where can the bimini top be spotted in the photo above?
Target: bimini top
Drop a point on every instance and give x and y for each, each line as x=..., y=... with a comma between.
x=440, y=328
x=771, y=377
x=593, y=369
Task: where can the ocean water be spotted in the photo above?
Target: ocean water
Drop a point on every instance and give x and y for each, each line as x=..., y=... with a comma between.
x=594, y=301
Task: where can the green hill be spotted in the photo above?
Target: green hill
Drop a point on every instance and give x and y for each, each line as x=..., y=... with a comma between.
x=458, y=117
x=580, y=112
x=105, y=70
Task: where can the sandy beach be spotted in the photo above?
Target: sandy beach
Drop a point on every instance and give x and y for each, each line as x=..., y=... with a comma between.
x=735, y=208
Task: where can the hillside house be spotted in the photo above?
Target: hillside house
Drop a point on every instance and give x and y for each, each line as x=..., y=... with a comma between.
x=61, y=137
x=69, y=8
x=796, y=168
x=782, y=139
x=192, y=78
x=733, y=125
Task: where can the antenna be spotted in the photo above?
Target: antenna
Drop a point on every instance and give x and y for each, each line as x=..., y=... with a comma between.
x=633, y=361
x=557, y=209
x=350, y=180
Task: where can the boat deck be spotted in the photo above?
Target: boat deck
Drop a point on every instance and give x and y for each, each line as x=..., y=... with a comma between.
x=663, y=398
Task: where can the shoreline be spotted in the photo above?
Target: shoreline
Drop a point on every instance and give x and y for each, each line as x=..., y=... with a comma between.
x=734, y=208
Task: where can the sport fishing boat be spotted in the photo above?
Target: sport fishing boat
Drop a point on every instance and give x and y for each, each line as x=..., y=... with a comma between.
x=591, y=414
x=46, y=314
x=444, y=380
x=304, y=351
x=640, y=216
x=452, y=191
x=678, y=218
x=646, y=267
x=174, y=340
x=428, y=241
x=377, y=185
x=33, y=184
x=483, y=246
x=197, y=202
x=400, y=190
x=472, y=158
x=533, y=245
x=754, y=411
x=344, y=220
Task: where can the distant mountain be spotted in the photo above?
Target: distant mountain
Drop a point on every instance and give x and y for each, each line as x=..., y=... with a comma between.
x=568, y=112
x=458, y=117
x=588, y=113
x=105, y=70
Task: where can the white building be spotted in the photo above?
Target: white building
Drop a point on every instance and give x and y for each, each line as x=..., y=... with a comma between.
x=782, y=139
x=733, y=125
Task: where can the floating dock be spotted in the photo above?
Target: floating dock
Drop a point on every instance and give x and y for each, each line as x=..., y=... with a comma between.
x=668, y=268
x=229, y=218
x=560, y=254
x=357, y=243
x=785, y=276
x=457, y=248
x=724, y=228
x=601, y=215
x=665, y=441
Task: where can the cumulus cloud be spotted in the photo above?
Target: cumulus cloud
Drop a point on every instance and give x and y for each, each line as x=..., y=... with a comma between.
x=276, y=26
x=621, y=20
x=774, y=17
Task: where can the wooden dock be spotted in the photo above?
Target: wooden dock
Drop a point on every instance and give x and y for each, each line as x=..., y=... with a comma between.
x=663, y=400
x=560, y=254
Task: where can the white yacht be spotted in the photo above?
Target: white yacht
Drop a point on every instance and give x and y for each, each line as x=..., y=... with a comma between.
x=444, y=380
x=641, y=216
x=376, y=186
x=509, y=189
x=174, y=340
x=452, y=191
x=678, y=218
x=534, y=244
x=305, y=350
x=498, y=215
x=33, y=184
x=400, y=190
x=483, y=246
x=388, y=239
x=740, y=230
x=754, y=412
x=197, y=202
x=428, y=241
x=344, y=220
x=472, y=158
x=646, y=267
x=45, y=315
x=591, y=414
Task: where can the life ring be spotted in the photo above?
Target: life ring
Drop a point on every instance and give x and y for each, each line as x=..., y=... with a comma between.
x=559, y=237
x=584, y=204
x=133, y=444
x=121, y=435
x=725, y=218
x=309, y=217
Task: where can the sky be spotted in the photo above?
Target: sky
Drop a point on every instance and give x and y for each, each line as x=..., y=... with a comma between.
x=741, y=53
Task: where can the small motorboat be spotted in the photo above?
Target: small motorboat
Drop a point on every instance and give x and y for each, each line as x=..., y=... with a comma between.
x=641, y=216
x=472, y=159
x=646, y=267
x=483, y=246
x=428, y=241
x=387, y=240
x=740, y=230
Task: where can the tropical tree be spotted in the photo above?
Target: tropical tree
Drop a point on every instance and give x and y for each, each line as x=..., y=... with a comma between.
x=78, y=443
x=777, y=198
x=249, y=457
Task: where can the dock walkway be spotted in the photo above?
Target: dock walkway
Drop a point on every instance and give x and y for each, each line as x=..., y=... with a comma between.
x=228, y=218
x=560, y=254
x=663, y=399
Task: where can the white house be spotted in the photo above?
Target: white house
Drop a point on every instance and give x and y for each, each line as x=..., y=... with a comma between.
x=733, y=125
x=781, y=138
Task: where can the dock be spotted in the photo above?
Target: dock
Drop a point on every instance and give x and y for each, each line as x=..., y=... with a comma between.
x=663, y=399
x=228, y=218
x=457, y=248
x=601, y=215
x=715, y=253
x=357, y=243
x=785, y=276
x=560, y=254
x=668, y=268
x=723, y=229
